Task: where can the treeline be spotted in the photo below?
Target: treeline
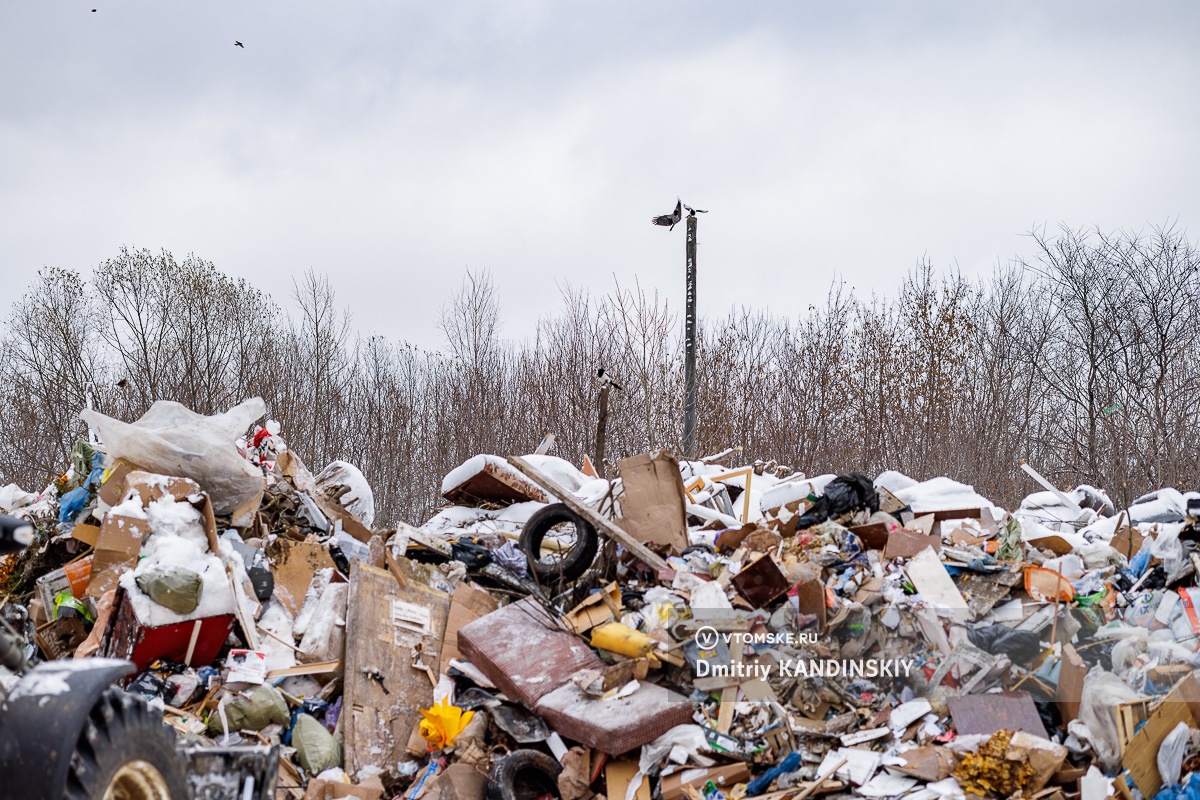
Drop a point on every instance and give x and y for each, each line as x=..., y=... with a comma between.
x=1082, y=361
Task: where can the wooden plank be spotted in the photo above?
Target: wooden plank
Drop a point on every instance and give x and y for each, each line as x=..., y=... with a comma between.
x=385, y=622
x=317, y=668
x=601, y=524
x=729, y=695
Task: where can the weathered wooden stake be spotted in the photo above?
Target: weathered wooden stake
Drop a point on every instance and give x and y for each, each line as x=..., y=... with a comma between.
x=601, y=425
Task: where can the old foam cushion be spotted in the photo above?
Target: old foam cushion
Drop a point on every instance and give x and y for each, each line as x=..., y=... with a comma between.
x=614, y=726
x=524, y=651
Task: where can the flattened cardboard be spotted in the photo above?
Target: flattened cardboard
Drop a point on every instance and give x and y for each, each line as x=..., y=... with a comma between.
x=1055, y=544
x=619, y=774
x=596, y=609
x=469, y=604
x=928, y=763
x=652, y=508
x=86, y=533
x=293, y=565
x=1141, y=756
x=1070, y=684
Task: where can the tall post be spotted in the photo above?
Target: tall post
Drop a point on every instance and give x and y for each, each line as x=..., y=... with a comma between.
x=601, y=425
x=689, y=346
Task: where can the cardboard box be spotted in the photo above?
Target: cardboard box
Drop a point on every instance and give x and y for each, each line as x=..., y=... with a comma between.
x=113, y=488
x=117, y=549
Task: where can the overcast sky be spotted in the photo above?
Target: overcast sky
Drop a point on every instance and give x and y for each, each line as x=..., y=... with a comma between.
x=393, y=144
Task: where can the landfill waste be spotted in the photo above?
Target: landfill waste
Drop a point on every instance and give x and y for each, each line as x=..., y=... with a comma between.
x=687, y=630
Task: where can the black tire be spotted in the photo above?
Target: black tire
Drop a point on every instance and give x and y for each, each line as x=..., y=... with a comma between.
x=523, y=775
x=124, y=739
x=575, y=561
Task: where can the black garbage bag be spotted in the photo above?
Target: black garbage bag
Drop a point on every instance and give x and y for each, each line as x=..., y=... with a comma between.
x=845, y=493
x=474, y=555
x=1020, y=646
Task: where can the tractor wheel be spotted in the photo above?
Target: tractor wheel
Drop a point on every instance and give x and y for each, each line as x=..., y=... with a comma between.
x=126, y=753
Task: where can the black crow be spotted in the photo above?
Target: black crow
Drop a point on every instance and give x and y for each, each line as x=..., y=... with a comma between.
x=671, y=219
x=239, y=44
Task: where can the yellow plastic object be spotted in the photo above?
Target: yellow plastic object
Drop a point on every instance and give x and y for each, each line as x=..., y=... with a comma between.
x=621, y=639
x=442, y=723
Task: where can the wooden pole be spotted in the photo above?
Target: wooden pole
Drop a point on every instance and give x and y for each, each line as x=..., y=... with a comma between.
x=689, y=346
x=601, y=426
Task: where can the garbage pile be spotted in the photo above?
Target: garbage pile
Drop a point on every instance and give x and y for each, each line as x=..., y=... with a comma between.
x=684, y=630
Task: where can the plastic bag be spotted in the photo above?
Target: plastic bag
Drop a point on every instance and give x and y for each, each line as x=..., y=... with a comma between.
x=262, y=707
x=1101, y=692
x=174, y=440
x=1019, y=646
x=316, y=749
x=1171, y=753
x=357, y=497
x=176, y=588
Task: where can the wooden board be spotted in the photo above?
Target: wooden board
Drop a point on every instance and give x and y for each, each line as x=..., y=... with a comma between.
x=601, y=524
x=384, y=623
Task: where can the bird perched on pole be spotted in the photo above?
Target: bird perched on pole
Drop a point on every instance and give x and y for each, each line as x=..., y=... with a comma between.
x=606, y=380
x=694, y=211
x=671, y=219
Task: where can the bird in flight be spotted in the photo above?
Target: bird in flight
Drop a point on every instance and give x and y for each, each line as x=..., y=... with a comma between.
x=694, y=211
x=239, y=44
x=671, y=219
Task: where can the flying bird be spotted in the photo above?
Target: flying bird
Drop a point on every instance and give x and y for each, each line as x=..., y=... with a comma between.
x=239, y=44
x=671, y=219
x=606, y=380
x=694, y=211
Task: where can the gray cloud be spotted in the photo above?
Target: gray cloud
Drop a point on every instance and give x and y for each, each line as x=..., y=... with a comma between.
x=393, y=144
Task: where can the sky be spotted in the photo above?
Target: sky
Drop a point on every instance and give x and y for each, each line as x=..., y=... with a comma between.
x=393, y=145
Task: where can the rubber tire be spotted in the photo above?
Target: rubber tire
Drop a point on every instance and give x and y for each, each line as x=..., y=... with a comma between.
x=522, y=765
x=577, y=560
x=122, y=728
